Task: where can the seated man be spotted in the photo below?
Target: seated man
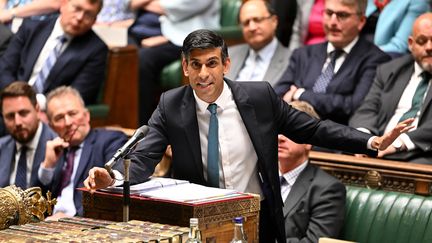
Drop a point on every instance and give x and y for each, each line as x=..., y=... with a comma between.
x=402, y=90
x=314, y=201
x=69, y=157
x=61, y=51
x=22, y=151
x=263, y=57
x=335, y=76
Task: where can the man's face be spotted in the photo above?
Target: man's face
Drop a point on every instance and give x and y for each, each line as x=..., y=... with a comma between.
x=20, y=118
x=77, y=16
x=69, y=118
x=291, y=154
x=206, y=70
x=258, y=26
x=420, y=42
x=342, y=23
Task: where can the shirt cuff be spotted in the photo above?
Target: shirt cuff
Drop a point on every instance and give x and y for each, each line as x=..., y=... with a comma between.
x=369, y=143
x=365, y=130
x=406, y=140
x=118, y=177
x=45, y=175
x=298, y=93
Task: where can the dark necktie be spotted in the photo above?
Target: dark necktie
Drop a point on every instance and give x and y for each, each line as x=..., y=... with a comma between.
x=213, y=148
x=39, y=84
x=68, y=169
x=417, y=100
x=327, y=74
x=21, y=173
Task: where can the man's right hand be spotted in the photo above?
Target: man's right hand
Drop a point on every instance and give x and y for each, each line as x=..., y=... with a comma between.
x=98, y=178
x=54, y=149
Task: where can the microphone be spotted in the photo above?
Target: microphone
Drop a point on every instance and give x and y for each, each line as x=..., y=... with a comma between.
x=139, y=134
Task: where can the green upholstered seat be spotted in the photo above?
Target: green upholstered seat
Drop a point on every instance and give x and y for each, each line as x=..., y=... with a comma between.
x=377, y=216
x=171, y=75
x=99, y=110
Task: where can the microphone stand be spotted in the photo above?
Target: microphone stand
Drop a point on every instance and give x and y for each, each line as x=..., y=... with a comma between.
x=126, y=190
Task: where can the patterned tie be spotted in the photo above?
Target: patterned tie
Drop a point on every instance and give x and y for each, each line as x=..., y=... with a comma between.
x=213, y=148
x=68, y=169
x=21, y=173
x=39, y=84
x=326, y=76
x=418, y=97
x=255, y=59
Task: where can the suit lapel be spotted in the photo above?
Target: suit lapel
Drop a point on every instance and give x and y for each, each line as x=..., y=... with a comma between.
x=86, y=156
x=8, y=161
x=39, y=155
x=240, y=60
x=315, y=67
x=427, y=101
x=399, y=84
x=298, y=190
x=190, y=125
x=276, y=64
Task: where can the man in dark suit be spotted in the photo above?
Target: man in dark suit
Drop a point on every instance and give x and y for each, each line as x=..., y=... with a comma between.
x=402, y=89
x=27, y=139
x=55, y=52
x=263, y=57
x=79, y=148
x=241, y=150
x=314, y=201
x=337, y=95
x=5, y=36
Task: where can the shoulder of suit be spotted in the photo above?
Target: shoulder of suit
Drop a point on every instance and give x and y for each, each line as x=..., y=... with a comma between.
x=397, y=63
x=5, y=139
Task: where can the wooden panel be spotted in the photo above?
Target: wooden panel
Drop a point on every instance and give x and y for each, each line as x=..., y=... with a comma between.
x=376, y=173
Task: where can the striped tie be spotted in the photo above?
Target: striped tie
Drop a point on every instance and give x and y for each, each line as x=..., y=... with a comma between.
x=21, y=173
x=39, y=84
x=326, y=76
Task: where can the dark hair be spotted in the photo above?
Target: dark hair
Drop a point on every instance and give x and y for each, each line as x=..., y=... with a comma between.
x=267, y=5
x=203, y=39
x=17, y=89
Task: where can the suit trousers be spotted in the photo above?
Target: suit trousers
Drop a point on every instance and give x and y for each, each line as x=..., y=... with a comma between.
x=151, y=62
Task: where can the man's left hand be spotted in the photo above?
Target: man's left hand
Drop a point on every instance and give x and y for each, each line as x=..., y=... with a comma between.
x=383, y=142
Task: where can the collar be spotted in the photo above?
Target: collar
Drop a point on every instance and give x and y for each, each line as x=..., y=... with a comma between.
x=32, y=144
x=221, y=101
x=347, y=49
x=418, y=70
x=266, y=53
x=291, y=176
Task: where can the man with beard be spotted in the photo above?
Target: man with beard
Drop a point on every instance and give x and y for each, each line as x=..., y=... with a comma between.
x=22, y=151
x=401, y=90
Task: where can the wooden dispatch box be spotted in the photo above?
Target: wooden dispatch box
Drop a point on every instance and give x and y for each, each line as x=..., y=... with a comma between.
x=215, y=217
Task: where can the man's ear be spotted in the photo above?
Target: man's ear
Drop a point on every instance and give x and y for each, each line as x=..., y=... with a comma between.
x=184, y=67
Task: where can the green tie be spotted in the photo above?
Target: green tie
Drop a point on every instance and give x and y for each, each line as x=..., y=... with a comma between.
x=418, y=97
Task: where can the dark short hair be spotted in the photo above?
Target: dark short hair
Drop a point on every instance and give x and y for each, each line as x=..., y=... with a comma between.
x=204, y=39
x=17, y=89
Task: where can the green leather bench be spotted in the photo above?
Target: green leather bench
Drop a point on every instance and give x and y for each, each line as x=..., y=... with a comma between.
x=377, y=216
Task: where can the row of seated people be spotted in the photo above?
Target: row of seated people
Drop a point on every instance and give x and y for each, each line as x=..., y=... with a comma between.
x=360, y=85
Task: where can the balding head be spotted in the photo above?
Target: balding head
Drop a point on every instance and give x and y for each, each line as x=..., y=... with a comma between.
x=420, y=41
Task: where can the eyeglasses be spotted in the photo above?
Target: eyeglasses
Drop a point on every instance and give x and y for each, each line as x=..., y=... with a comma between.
x=87, y=15
x=256, y=20
x=340, y=15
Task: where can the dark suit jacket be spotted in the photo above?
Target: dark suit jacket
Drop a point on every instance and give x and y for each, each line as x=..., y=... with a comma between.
x=315, y=206
x=7, y=153
x=99, y=146
x=349, y=85
x=264, y=115
x=81, y=65
x=381, y=102
x=5, y=36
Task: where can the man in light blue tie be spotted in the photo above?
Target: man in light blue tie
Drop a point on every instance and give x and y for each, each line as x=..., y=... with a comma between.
x=249, y=116
x=58, y=51
x=402, y=89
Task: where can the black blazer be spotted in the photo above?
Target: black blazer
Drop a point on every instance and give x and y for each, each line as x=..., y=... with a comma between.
x=81, y=65
x=265, y=116
x=349, y=85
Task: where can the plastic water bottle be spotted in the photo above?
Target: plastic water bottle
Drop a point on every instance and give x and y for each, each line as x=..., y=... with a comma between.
x=194, y=232
x=239, y=234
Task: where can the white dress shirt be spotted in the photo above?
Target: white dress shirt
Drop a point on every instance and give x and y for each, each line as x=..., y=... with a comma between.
x=238, y=160
x=31, y=150
x=291, y=177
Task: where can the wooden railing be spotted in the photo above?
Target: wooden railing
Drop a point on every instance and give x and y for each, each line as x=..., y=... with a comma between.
x=376, y=173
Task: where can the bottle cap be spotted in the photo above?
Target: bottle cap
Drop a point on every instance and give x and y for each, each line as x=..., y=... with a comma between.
x=193, y=221
x=238, y=220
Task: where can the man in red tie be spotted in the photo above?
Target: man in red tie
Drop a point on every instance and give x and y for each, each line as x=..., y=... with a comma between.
x=77, y=149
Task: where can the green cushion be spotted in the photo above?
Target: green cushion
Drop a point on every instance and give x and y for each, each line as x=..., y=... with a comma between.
x=98, y=110
x=171, y=76
x=378, y=216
